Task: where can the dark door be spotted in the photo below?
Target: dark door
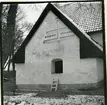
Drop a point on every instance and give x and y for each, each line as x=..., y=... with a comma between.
x=58, y=67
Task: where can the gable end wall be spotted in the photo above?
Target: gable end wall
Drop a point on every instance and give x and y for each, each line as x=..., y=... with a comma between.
x=38, y=57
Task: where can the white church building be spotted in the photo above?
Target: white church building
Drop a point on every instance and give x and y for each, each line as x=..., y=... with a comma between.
x=58, y=48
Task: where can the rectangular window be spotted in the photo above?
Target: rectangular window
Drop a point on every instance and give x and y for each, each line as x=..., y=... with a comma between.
x=57, y=66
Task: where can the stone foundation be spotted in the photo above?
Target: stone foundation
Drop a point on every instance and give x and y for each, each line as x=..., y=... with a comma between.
x=46, y=87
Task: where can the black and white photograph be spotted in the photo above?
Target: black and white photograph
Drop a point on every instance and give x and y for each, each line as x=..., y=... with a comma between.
x=53, y=53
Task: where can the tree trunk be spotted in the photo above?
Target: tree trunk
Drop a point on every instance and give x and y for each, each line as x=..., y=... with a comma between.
x=1, y=37
x=11, y=20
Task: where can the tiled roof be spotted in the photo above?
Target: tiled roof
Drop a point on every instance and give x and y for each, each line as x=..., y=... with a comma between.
x=87, y=15
x=88, y=47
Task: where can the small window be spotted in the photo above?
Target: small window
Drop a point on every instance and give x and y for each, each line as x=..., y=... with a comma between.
x=57, y=66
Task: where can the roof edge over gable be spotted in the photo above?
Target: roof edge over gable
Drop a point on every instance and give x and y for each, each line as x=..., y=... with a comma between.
x=84, y=34
x=66, y=20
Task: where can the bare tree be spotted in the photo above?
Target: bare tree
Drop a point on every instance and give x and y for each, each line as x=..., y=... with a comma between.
x=10, y=31
x=20, y=28
x=0, y=35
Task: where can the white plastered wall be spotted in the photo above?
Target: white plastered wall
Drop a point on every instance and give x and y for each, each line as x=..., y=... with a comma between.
x=38, y=57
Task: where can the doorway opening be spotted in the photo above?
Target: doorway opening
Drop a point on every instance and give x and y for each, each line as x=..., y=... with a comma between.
x=57, y=66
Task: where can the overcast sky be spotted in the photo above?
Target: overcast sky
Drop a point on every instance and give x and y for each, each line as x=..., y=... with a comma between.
x=32, y=12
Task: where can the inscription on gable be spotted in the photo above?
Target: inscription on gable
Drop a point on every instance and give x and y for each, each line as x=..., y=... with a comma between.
x=65, y=32
x=61, y=32
x=52, y=34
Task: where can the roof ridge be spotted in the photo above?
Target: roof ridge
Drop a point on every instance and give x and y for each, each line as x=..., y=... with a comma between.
x=88, y=2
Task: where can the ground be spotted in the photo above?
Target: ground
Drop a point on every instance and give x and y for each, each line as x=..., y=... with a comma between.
x=71, y=97
x=59, y=97
x=33, y=99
